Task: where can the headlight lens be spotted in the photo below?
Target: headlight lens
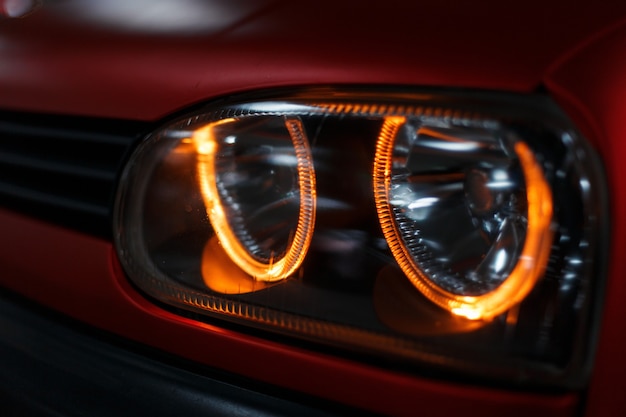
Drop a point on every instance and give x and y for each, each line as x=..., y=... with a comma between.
x=458, y=231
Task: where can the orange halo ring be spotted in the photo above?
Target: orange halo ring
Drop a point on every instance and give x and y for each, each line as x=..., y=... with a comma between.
x=277, y=269
x=530, y=265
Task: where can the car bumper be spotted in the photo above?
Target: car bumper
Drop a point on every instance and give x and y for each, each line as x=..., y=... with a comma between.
x=51, y=367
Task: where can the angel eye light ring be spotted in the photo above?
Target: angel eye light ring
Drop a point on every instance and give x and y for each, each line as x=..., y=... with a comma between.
x=276, y=269
x=530, y=265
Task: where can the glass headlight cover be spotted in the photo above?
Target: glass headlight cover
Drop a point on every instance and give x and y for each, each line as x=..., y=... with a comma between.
x=462, y=232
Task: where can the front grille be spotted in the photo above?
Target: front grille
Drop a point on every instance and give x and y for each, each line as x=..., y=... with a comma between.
x=63, y=169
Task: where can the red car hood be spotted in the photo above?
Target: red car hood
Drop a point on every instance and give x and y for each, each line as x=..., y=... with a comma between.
x=145, y=59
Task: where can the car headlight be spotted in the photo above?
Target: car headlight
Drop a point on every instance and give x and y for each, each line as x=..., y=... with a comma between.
x=461, y=231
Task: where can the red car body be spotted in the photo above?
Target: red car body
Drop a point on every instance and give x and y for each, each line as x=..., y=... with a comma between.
x=146, y=61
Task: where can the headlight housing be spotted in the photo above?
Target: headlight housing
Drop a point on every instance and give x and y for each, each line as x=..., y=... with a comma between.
x=459, y=231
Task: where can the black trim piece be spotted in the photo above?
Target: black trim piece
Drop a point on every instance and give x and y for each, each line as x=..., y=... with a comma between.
x=63, y=169
x=52, y=369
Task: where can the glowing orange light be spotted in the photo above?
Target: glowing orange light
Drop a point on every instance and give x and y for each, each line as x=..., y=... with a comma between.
x=222, y=275
x=532, y=260
x=277, y=268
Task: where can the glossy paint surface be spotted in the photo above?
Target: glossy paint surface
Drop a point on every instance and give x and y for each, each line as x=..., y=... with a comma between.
x=140, y=61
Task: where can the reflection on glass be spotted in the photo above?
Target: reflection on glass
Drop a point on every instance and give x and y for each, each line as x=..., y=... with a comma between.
x=402, y=308
x=221, y=275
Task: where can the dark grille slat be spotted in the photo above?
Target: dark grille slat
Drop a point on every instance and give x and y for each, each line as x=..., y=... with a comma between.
x=38, y=197
x=40, y=164
x=63, y=169
x=62, y=134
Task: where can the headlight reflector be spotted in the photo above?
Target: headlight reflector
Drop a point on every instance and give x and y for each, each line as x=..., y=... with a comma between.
x=467, y=219
x=259, y=197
